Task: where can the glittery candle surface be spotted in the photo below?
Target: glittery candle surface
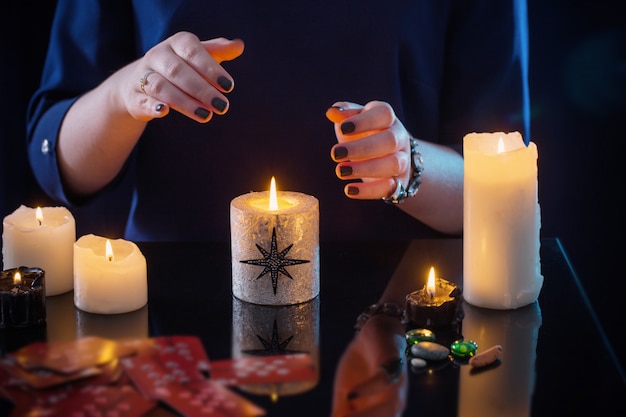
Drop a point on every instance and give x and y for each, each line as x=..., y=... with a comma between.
x=275, y=253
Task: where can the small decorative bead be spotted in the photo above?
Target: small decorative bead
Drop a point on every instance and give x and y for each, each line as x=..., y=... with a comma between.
x=486, y=357
x=418, y=362
x=464, y=348
x=415, y=336
x=430, y=351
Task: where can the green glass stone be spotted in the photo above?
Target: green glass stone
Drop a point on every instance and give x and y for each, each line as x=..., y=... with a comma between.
x=415, y=336
x=464, y=348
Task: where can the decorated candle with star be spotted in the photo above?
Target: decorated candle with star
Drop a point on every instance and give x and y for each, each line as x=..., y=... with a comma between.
x=275, y=247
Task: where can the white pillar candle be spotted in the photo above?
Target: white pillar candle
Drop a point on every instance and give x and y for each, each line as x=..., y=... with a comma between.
x=45, y=243
x=108, y=284
x=501, y=265
x=275, y=251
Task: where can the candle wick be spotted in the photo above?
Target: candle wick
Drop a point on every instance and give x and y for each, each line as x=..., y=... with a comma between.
x=39, y=221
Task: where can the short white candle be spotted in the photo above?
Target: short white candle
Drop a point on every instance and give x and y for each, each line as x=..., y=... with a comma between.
x=501, y=221
x=268, y=243
x=108, y=284
x=45, y=243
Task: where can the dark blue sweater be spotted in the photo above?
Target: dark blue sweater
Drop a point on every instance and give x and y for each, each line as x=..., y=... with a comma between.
x=447, y=67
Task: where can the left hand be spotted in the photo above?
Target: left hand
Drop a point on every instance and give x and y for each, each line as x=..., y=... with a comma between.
x=362, y=388
x=373, y=145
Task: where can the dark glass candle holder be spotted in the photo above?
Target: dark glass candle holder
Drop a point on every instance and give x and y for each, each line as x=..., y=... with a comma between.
x=22, y=298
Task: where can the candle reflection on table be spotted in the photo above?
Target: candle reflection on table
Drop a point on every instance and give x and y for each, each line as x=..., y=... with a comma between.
x=504, y=390
x=130, y=325
x=66, y=322
x=260, y=330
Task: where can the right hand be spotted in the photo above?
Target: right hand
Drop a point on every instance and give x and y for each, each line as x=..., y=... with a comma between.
x=183, y=74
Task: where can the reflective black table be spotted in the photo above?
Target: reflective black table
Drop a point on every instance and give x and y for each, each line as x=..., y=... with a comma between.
x=556, y=359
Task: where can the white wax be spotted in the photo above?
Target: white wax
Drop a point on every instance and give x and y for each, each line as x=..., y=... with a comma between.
x=48, y=245
x=109, y=286
x=296, y=222
x=501, y=264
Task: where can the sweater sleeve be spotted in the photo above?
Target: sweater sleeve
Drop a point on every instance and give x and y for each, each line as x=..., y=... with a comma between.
x=89, y=40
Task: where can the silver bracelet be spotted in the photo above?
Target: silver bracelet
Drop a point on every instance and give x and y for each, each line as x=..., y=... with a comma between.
x=417, y=166
x=386, y=309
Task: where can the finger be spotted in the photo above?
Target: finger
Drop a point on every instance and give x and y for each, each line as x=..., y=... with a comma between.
x=341, y=110
x=374, y=116
x=222, y=49
x=160, y=90
x=371, y=146
x=394, y=165
x=371, y=189
x=194, y=71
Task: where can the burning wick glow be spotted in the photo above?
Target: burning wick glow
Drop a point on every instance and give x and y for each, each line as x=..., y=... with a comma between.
x=500, y=145
x=430, y=286
x=17, y=278
x=39, y=215
x=109, y=251
x=273, y=197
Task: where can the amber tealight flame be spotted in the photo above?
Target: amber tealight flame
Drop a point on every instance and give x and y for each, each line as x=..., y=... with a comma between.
x=430, y=286
x=17, y=278
x=39, y=215
x=109, y=251
x=273, y=196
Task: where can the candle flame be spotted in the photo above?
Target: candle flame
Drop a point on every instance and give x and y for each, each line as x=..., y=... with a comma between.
x=273, y=196
x=109, y=251
x=431, y=288
x=500, y=145
x=17, y=278
x=39, y=215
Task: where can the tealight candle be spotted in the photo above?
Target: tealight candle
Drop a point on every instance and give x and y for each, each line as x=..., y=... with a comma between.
x=501, y=266
x=110, y=276
x=22, y=297
x=275, y=248
x=43, y=238
x=437, y=304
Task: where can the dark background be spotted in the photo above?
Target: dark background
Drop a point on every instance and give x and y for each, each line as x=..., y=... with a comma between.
x=578, y=93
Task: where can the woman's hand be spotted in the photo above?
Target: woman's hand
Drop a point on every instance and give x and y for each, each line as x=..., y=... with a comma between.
x=180, y=73
x=371, y=378
x=373, y=146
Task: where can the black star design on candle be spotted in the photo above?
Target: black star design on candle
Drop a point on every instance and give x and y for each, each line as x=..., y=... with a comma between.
x=273, y=346
x=274, y=261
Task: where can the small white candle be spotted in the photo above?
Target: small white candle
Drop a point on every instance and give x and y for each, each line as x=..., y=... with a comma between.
x=275, y=250
x=43, y=240
x=109, y=282
x=501, y=266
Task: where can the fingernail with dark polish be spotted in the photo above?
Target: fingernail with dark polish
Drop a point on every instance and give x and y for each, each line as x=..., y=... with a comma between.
x=202, y=112
x=159, y=107
x=353, y=191
x=225, y=83
x=340, y=152
x=347, y=127
x=219, y=104
x=345, y=171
